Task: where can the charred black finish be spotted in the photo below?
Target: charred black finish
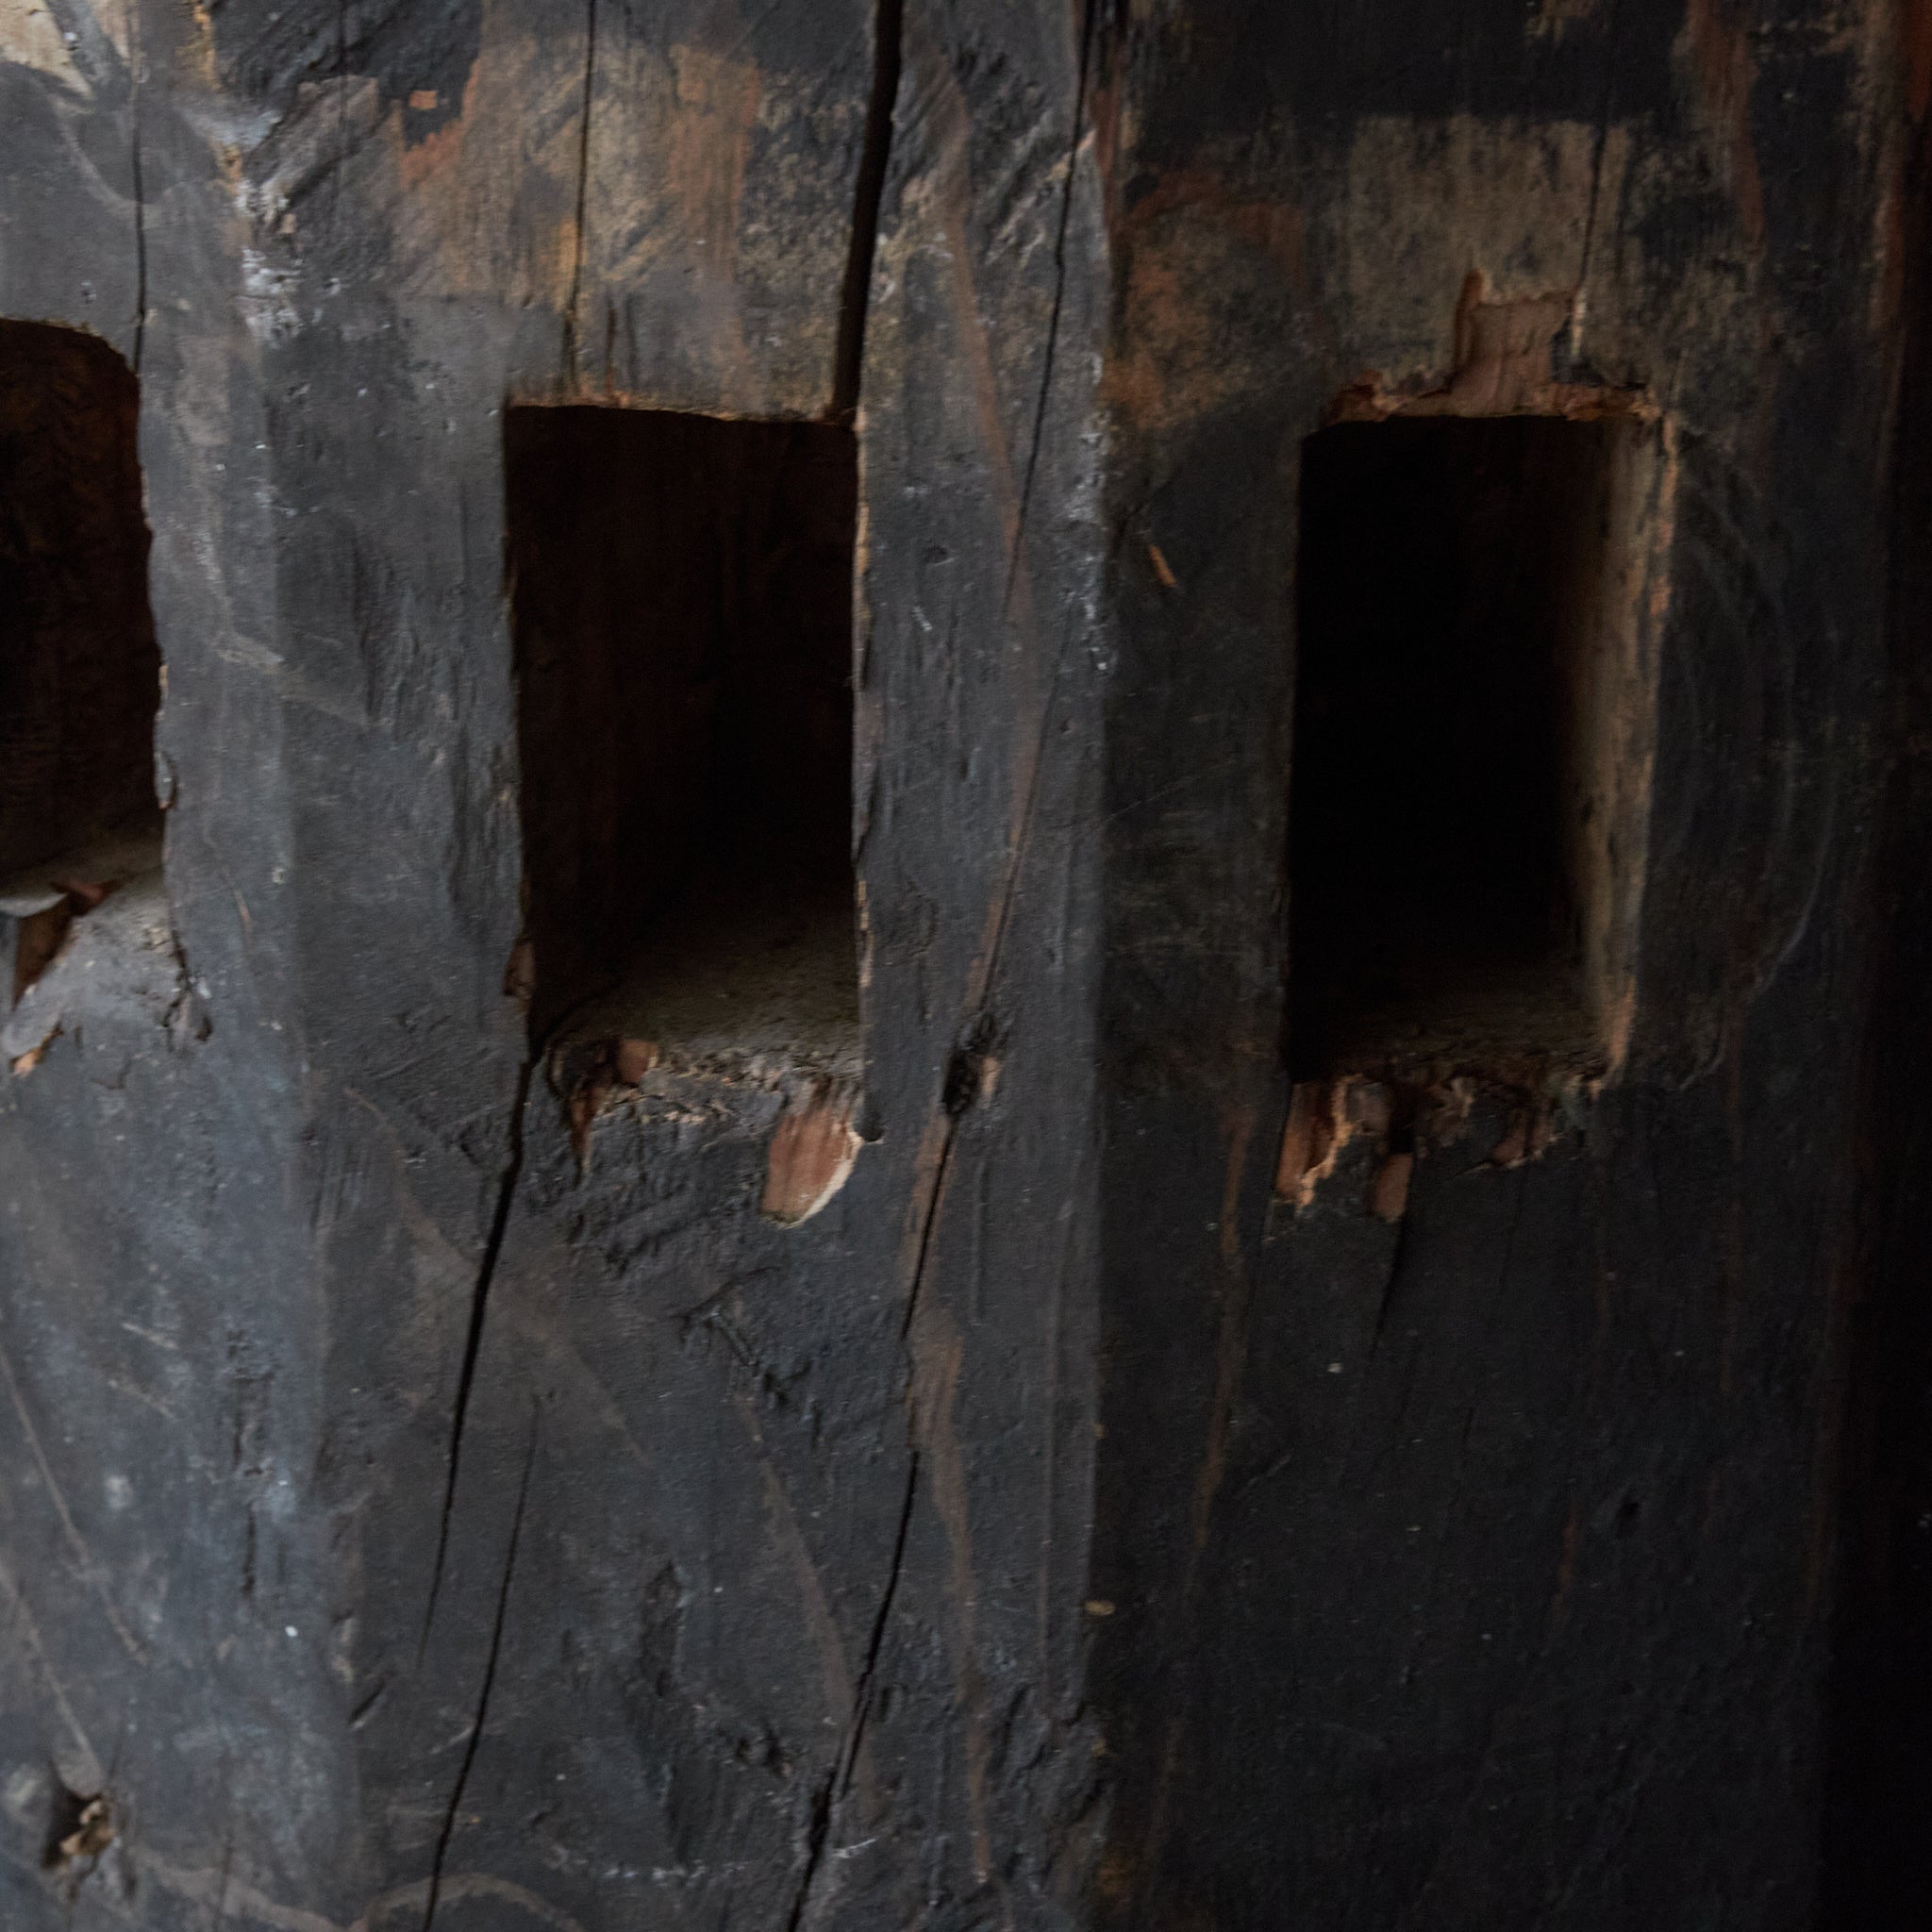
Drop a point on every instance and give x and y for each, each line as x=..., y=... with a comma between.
x=440, y=1487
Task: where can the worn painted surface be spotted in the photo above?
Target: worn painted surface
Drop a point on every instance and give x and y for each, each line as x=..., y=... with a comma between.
x=446, y=1481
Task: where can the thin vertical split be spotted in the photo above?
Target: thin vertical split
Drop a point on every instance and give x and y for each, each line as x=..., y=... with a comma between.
x=1059, y=290
x=866, y=197
x=475, y=1737
x=140, y=187
x=1599, y=143
x=473, y=1340
x=576, y=266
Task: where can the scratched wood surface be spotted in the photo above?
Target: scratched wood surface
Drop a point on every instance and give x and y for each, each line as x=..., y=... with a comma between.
x=431, y=1490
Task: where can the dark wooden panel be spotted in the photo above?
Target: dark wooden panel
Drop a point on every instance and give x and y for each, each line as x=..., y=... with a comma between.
x=439, y=1484
x=1477, y=1570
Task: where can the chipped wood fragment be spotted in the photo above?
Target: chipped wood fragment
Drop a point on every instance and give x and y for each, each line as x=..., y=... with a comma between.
x=92, y=1834
x=1299, y=1140
x=1323, y=1116
x=588, y=1094
x=24, y=1065
x=1390, y=1197
x=1401, y=1122
x=1504, y=366
x=635, y=1059
x=38, y=940
x=520, y=973
x=812, y=1153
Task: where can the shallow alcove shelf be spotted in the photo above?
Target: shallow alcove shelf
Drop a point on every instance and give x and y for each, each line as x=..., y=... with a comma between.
x=79, y=667
x=764, y=995
x=682, y=594
x=1474, y=704
x=39, y=904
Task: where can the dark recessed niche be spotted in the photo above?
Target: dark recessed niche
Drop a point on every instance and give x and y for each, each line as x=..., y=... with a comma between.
x=682, y=596
x=79, y=669
x=1471, y=733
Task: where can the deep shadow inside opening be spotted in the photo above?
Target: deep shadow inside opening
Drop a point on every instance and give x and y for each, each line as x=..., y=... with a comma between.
x=682, y=594
x=79, y=668
x=1449, y=588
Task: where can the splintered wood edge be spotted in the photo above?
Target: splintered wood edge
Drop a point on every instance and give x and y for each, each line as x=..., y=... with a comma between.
x=811, y=1156
x=1326, y=1115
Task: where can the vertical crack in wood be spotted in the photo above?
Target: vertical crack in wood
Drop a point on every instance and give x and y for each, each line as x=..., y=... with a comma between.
x=1053, y=320
x=473, y=1341
x=227, y=1867
x=1398, y=1255
x=1597, y=173
x=867, y=193
x=956, y=1099
x=929, y=1222
x=815, y=1846
x=1011, y=886
x=479, y=1297
x=475, y=1737
x=861, y=1696
x=576, y=266
x=335, y=179
x=139, y=186
x=837, y=1779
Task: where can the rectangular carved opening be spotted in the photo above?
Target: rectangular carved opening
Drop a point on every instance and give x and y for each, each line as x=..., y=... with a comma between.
x=682, y=597
x=79, y=668
x=1474, y=716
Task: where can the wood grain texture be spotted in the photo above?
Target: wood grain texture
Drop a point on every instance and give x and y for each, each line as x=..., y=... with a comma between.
x=433, y=1493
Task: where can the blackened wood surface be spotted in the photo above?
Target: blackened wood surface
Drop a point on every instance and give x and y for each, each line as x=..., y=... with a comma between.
x=1477, y=1572
x=421, y=1506
x=1880, y=1765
